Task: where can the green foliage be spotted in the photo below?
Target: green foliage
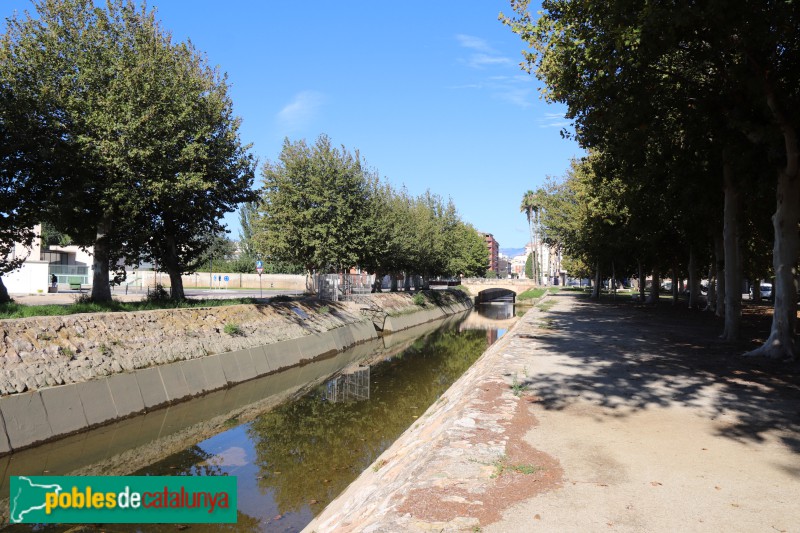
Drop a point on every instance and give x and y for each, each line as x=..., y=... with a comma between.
x=324, y=309
x=419, y=299
x=491, y=274
x=141, y=146
x=312, y=211
x=529, y=267
x=531, y=294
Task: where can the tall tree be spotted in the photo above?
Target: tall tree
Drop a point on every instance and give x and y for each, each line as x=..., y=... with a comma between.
x=313, y=209
x=151, y=157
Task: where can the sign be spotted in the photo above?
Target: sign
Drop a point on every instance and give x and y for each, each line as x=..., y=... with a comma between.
x=215, y=278
x=123, y=499
x=259, y=267
x=227, y=279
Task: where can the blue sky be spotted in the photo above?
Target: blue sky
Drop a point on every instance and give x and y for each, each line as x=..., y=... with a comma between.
x=431, y=93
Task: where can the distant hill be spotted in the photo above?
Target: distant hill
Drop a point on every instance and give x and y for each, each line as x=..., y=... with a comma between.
x=512, y=252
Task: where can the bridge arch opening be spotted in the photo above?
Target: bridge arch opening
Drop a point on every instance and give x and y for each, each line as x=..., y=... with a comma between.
x=496, y=295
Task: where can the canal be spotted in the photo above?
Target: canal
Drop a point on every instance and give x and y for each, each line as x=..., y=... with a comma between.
x=293, y=446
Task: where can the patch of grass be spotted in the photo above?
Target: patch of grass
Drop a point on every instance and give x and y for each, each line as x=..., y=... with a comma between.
x=281, y=298
x=232, y=329
x=462, y=289
x=418, y=299
x=501, y=466
x=84, y=305
x=531, y=294
x=546, y=323
x=324, y=310
x=66, y=350
x=546, y=306
x=105, y=350
x=380, y=464
x=517, y=388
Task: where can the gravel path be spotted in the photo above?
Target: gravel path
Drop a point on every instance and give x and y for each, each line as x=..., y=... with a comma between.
x=593, y=417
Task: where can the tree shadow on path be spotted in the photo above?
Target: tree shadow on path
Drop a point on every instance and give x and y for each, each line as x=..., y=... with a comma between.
x=626, y=357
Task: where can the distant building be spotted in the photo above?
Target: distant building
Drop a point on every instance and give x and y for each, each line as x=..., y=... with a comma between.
x=493, y=250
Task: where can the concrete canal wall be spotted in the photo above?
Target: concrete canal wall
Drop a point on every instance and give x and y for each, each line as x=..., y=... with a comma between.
x=60, y=375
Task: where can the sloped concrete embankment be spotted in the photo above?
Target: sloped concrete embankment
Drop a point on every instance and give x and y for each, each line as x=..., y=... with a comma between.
x=61, y=375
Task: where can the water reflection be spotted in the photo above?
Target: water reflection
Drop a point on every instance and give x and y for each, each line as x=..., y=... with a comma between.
x=295, y=459
x=291, y=461
x=496, y=310
x=351, y=385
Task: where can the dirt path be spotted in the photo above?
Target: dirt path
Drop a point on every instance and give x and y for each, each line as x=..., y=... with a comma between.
x=594, y=417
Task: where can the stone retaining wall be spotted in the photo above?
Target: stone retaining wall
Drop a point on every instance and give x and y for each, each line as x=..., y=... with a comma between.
x=60, y=375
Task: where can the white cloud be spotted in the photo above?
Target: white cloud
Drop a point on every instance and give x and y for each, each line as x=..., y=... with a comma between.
x=301, y=110
x=475, y=43
x=483, y=54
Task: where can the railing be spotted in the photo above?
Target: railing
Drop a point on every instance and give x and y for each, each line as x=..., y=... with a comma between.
x=64, y=272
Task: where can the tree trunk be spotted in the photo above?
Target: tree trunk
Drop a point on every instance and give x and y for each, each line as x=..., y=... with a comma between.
x=642, y=283
x=596, y=288
x=694, y=285
x=655, y=288
x=711, y=304
x=614, y=278
x=170, y=264
x=780, y=342
x=101, y=290
x=4, y=296
x=756, y=291
x=730, y=232
x=393, y=285
x=720, y=276
x=675, y=292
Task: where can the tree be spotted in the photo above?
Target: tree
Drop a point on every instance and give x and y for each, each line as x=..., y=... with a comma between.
x=313, y=209
x=148, y=157
x=529, y=266
x=666, y=88
x=467, y=252
x=530, y=206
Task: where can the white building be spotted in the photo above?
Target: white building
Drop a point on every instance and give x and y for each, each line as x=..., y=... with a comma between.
x=67, y=263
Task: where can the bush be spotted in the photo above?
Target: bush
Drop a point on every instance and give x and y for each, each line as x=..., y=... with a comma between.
x=419, y=300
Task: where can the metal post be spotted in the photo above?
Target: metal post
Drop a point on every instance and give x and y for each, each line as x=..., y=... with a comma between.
x=259, y=286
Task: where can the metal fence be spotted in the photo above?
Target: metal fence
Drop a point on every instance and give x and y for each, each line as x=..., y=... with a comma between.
x=336, y=287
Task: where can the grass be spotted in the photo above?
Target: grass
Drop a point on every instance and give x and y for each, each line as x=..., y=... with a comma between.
x=380, y=464
x=419, y=300
x=324, y=310
x=546, y=306
x=531, y=294
x=501, y=466
x=517, y=388
x=15, y=310
x=232, y=329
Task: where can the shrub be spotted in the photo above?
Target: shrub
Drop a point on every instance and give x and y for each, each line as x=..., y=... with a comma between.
x=419, y=299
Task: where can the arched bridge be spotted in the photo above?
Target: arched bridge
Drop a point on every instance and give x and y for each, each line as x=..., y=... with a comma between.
x=485, y=290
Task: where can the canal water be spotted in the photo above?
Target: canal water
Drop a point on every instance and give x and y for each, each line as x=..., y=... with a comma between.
x=295, y=453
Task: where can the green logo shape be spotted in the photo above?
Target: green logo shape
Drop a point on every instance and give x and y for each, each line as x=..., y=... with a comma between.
x=122, y=499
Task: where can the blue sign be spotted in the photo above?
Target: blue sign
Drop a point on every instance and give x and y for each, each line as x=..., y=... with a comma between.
x=227, y=278
x=259, y=264
x=215, y=278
